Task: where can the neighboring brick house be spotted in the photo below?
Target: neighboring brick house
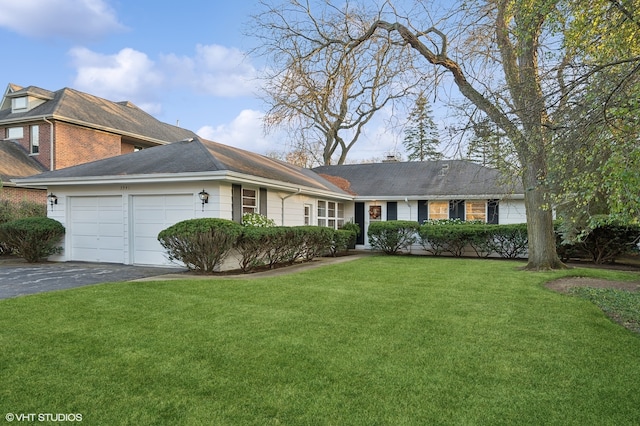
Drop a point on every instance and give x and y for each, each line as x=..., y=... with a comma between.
x=67, y=127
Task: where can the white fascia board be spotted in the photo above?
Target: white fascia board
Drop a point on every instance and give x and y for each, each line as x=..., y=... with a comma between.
x=224, y=175
x=286, y=186
x=440, y=197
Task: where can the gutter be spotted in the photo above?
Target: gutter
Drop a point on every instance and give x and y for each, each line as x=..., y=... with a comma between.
x=51, y=147
x=282, y=208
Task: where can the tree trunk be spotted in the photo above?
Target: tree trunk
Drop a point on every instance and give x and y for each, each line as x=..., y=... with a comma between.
x=540, y=232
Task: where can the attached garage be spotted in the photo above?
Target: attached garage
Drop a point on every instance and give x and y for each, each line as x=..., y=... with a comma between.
x=96, y=227
x=150, y=215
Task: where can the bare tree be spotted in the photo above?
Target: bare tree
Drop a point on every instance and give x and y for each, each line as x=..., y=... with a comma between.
x=321, y=91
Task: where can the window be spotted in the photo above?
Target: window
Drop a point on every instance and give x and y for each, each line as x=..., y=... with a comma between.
x=476, y=210
x=18, y=104
x=15, y=133
x=249, y=201
x=438, y=210
x=330, y=214
x=307, y=214
x=35, y=139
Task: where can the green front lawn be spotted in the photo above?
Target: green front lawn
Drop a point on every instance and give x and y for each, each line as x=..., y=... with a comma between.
x=381, y=340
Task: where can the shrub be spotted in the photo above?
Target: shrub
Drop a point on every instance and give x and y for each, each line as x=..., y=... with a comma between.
x=355, y=229
x=33, y=238
x=343, y=239
x=257, y=220
x=316, y=241
x=252, y=247
x=392, y=236
x=201, y=244
x=605, y=240
x=510, y=241
x=11, y=211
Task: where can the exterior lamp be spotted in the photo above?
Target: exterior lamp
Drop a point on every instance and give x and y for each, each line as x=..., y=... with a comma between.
x=52, y=200
x=204, y=197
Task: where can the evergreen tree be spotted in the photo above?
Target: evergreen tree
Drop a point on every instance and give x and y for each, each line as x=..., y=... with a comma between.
x=486, y=145
x=421, y=136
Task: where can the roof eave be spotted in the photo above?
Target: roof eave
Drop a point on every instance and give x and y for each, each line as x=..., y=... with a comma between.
x=223, y=175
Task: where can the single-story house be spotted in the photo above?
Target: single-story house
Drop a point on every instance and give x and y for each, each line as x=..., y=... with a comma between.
x=113, y=209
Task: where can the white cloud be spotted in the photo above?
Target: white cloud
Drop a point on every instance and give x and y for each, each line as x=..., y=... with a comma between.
x=127, y=75
x=215, y=70
x=245, y=132
x=72, y=19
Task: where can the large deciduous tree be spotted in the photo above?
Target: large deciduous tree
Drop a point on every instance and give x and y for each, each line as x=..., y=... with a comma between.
x=522, y=63
x=321, y=91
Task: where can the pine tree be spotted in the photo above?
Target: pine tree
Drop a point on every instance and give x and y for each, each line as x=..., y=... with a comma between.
x=421, y=136
x=485, y=147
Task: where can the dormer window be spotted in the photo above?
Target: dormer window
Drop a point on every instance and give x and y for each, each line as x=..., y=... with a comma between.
x=19, y=104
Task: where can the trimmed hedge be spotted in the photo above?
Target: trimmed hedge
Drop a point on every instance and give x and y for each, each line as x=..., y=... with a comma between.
x=508, y=241
x=392, y=236
x=201, y=244
x=32, y=238
x=10, y=211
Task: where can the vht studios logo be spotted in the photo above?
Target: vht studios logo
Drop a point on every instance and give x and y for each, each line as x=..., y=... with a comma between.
x=43, y=417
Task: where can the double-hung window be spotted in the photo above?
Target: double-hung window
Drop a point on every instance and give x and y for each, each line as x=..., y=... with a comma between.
x=476, y=210
x=438, y=210
x=249, y=200
x=34, y=141
x=330, y=214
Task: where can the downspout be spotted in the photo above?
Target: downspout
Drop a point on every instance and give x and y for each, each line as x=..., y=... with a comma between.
x=51, y=153
x=282, y=207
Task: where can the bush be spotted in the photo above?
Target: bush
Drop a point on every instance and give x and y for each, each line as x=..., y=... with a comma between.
x=257, y=220
x=200, y=244
x=343, y=239
x=605, y=241
x=392, y=236
x=510, y=241
x=454, y=236
x=437, y=237
x=33, y=238
x=11, y=211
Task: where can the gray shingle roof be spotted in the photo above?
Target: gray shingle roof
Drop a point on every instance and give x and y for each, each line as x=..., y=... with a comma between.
x=117, y=117
x=193, y=156
x=15, y=162
x=423, y=179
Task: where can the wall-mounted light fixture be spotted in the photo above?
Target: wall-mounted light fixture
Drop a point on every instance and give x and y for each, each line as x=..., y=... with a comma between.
x=52, y=200
x=204, y=197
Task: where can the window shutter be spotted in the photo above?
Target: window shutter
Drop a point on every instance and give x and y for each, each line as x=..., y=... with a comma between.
x=392, y=210
x=236, y=203
x=263, y=201
x=423, y=211
x=492, y=212
x=456, y=209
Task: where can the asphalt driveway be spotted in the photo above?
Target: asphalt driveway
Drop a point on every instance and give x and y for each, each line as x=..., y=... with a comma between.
x=18, y=279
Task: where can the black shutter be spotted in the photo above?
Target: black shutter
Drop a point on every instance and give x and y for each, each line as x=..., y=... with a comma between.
x=359, y=212
x=236, y=203
x=456, y=209
x=423, y=211
x=392, y=210
x=492, y=211
x=263, y=201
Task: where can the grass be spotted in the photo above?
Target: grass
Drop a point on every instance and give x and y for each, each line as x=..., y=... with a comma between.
x=621, y=305
x=376, y=341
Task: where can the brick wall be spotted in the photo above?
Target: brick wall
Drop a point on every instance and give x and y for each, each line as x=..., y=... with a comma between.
x=78, y=145
x=15, y=195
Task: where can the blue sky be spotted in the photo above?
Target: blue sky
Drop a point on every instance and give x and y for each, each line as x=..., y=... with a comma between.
x=183, y=62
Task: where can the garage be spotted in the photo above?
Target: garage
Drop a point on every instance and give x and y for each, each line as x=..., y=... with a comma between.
x=97, y=229
x=150, y=215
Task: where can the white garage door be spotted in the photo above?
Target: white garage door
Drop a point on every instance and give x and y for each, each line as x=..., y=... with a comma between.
x=97, y=229
x=152, y=214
